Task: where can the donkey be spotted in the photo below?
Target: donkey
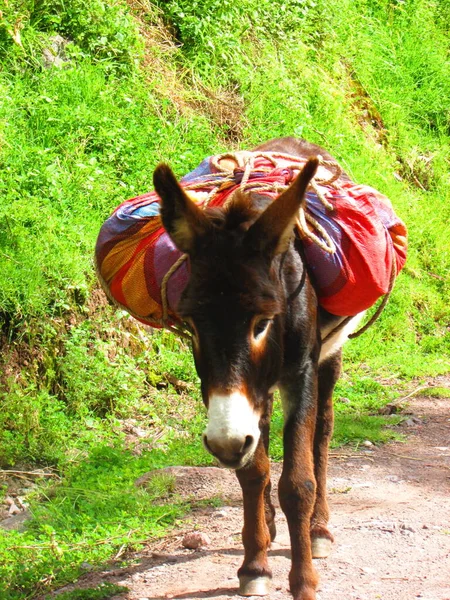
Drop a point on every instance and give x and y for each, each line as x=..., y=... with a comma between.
x=256, y=326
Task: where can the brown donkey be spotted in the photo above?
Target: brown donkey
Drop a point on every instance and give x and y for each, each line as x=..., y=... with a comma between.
x=256, y=326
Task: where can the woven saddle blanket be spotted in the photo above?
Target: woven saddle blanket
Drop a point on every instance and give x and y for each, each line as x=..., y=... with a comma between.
x=353, y=241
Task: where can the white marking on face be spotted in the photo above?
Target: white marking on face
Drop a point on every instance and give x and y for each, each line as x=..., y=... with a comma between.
x=231, y=419
x=335, y=342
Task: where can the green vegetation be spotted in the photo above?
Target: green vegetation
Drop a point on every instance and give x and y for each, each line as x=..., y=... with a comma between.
x=102, y=592
x=435, y=392
x=84, y=119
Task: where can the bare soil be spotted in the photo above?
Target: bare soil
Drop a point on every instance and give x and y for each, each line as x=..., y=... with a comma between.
x=390, y=517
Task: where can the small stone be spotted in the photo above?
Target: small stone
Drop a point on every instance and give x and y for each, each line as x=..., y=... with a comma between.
x=368, y=570
x=14, y=509
x=195, y=540
x=388, y=409
x=55, y=55
x=16, y=522
x=387, y=526
x=367, y=443
x=139, y=432
x=413, y=421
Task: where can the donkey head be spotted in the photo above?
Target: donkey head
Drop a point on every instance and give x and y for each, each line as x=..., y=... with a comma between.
x=234, y=304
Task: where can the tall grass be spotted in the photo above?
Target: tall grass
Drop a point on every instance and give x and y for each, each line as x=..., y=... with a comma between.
x=75, y=143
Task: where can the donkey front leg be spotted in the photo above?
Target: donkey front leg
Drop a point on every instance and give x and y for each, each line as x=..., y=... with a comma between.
x=297, y=491
x=254, y=574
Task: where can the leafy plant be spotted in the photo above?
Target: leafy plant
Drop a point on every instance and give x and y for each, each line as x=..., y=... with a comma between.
x=101, y=30
x=101, y=592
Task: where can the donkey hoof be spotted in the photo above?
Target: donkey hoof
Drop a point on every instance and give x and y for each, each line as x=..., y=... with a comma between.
x=254, y=586
x=320, y=547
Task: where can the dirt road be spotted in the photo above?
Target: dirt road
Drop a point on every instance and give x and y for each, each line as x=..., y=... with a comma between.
x=390, y=517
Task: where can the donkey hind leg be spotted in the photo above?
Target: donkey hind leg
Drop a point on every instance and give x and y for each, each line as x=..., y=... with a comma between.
x=269, y=508
x=297, y=491
x=254, y=574
x=321, y=538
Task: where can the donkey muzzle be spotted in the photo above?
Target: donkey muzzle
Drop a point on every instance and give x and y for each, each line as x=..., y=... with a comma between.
x=233, y=432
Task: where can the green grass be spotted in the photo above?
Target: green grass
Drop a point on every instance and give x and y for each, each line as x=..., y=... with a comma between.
x=92, y=512
x=434, y=392
x=75, y=143
x=101, y=592
x=359, y=78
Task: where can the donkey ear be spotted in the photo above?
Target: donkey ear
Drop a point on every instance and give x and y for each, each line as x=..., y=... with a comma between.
x=272, y=231
x=183, y=220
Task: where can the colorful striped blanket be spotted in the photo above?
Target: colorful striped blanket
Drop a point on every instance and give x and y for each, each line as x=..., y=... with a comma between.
x=134, y=253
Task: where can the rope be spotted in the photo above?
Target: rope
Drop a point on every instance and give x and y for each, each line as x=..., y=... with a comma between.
x=246, y=161
x=327, y=245
x=179, y=329
x=381, y=306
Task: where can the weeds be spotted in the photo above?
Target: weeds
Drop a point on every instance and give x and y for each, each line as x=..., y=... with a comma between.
x=101, y=592
x=102, y=31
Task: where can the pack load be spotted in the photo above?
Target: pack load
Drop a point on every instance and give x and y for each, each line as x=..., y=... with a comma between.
x=354, y=243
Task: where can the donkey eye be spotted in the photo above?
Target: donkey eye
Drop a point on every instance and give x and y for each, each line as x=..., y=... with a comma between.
x=260, y=327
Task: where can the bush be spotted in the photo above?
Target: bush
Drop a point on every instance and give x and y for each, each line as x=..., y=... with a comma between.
x=214, y=31
x=104, y=31
x=97, y=375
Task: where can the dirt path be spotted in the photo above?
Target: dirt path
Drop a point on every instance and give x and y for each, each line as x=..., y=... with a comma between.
x=390, y=517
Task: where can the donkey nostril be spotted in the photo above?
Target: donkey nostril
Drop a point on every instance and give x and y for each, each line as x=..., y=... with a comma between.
x=228, y=451
x=248, y=442
x=212, y=450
